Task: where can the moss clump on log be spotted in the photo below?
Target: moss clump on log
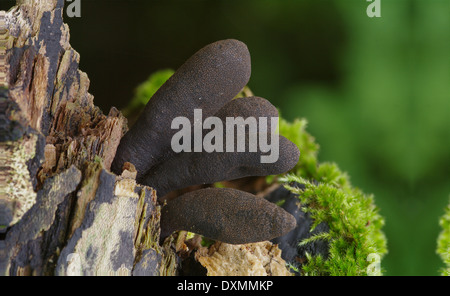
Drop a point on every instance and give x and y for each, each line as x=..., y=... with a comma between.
x=342, y=225
x=353, y=223
x=443, y=248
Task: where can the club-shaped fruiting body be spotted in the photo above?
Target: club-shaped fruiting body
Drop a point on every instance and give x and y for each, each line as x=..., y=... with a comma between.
x=186, y=168
x=207, y=80
x=228, y=215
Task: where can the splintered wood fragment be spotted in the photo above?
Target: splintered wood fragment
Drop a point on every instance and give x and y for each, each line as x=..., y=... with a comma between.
x=105, y=242
x=255, y=259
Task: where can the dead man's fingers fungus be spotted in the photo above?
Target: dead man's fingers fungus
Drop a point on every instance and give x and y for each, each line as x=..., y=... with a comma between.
x=228, y=215
x=186, y=169
x=208, y=80
x=206, y=85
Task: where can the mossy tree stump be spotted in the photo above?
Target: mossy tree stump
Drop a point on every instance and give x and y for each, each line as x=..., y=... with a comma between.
x=63, y=212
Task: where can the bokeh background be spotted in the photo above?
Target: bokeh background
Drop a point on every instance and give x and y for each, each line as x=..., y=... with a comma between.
x=376, y=91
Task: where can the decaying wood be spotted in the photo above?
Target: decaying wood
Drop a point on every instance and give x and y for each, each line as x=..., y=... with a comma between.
x=255, y=259
x=63, y=212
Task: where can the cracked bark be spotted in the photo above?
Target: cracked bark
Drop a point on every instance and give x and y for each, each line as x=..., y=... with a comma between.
x=62, y=212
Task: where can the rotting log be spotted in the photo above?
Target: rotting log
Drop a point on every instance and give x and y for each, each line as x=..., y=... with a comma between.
x=61, y=211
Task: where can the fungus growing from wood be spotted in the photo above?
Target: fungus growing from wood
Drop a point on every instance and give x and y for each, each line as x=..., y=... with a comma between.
x=208, y=80
x=186, y=168
x=228, y=215
x=207, y=83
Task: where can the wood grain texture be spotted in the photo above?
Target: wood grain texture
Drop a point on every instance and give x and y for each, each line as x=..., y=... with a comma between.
x=75, y=210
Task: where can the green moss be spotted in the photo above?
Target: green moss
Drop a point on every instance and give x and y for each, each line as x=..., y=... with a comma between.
x=219, y=185
x=146, y=90
x=443, y=248
x=354, y=223
x=244, y=93
x=296, y=133
x=98, y=160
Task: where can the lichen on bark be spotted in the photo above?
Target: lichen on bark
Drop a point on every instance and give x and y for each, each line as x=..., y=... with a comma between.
x=60, y=147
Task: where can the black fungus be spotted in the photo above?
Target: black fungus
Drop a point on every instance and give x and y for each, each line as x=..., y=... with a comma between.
x=186, y=169
x=208, y=80
x=225, y=214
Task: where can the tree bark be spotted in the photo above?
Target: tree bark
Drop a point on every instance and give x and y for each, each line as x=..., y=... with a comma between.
x=61, y=211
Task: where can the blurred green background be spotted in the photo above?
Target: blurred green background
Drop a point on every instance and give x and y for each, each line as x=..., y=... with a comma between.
x=376, y=91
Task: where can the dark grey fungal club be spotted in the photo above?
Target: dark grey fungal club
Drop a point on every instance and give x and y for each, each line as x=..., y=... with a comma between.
x=225, y=214
x=209, y=81
x=207, y=168
x=186, y=169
